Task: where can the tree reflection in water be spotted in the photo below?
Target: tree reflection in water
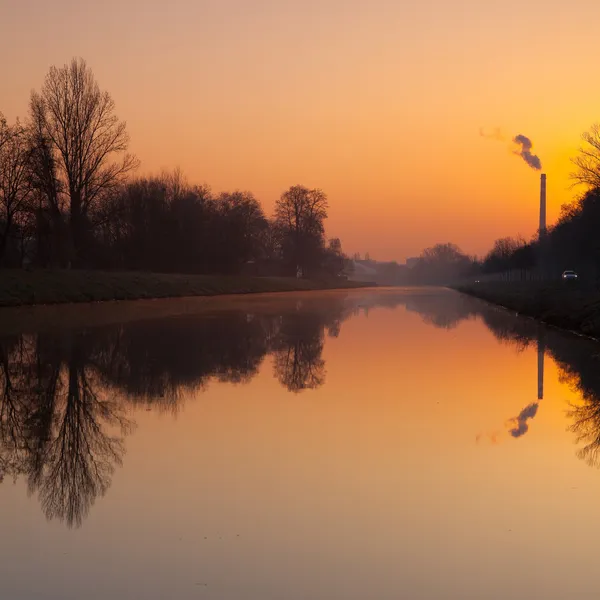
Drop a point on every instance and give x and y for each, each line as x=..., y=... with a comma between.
x=577, y=358
x=59, y=426
x=65, y=397
x=297, y=351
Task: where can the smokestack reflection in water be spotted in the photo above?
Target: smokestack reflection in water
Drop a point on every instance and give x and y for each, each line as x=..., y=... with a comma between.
x=543, y=204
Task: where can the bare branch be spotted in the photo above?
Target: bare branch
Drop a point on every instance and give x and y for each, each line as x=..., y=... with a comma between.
x=87, y=142
x=587, y=162
x=15, y=185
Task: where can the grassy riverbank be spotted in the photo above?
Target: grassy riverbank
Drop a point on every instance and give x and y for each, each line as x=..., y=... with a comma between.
x=23, y=288
x=569, y=305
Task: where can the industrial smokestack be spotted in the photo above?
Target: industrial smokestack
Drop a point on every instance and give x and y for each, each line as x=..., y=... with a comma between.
x=543, y=204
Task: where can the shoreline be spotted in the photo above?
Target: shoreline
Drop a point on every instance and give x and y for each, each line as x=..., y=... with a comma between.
x=21, y=288
x=90, y=315
x=569, y=307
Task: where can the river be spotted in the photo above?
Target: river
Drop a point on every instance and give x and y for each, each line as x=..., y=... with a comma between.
x=368, y=444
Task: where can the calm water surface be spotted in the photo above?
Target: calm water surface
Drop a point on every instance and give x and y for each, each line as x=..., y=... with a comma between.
x=372, y=444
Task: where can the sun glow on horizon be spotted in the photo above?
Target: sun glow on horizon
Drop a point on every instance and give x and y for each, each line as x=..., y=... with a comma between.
x=379, y=105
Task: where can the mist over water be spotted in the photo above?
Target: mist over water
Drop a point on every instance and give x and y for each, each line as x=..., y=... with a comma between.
x=335, y=444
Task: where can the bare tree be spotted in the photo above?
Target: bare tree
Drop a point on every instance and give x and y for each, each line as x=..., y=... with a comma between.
x=49, y=202
x=242, y=222
x=6, y=132
x=300, y=213
x=505, y=247
x=587, y=162
x=15, y=188
x=44, y=172
x=87, y=141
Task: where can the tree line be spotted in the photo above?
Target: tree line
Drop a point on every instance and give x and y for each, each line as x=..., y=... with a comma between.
x=66, y=395
x=571, y=243
x=69, y=197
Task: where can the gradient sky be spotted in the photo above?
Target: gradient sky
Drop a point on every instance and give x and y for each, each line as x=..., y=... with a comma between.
x=378, y=103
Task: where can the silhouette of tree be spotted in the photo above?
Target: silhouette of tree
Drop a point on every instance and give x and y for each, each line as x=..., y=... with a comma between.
x=64, y=397
x=152, y=362
x=48, y=198
x=80, y=456
x=243, y=224
x=78, y=123
x=67, y=198
x=587, y=162
x=54, y=426
x=585, y=425
x=300, y=214
x=15, y=188
x=502, y=256
x=578, y=359
x=164, y=224
x=298, y=352
x=13, y=411
x=572, y=242
x=579, y=369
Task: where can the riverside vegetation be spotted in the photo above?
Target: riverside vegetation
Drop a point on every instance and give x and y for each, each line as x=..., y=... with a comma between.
x=568, y=305
x=22, y=287
x=70, y=199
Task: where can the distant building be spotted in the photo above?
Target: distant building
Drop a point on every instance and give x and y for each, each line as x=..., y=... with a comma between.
x=411, y=262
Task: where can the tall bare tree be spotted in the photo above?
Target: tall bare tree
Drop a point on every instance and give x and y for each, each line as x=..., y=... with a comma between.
x=88, y=143
x=49, y=201
x=587, y=162
x=15, y=188
x=300, y=213
x=243, y=224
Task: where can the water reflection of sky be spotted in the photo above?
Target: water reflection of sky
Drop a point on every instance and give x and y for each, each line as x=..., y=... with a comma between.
x=295, y=446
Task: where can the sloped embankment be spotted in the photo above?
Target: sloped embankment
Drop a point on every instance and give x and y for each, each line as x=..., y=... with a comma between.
x=568, y=305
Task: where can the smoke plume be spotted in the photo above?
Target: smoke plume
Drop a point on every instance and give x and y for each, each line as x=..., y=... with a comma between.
x=525, y=152
x=496, y=134
x=494, y=437
x=519, y=424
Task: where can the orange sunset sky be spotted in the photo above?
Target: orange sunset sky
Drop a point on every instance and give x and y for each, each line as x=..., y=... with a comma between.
x=378, y=103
